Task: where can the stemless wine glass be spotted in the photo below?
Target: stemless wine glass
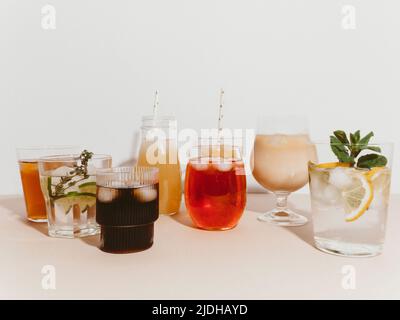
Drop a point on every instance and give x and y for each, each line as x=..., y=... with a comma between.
x=281, y=152
x=215, y=186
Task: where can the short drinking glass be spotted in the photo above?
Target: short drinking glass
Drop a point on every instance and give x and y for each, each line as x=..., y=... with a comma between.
x=127, y=207
x=349, y=204
x=215, y=187
x=69, y=189
x=28, y=166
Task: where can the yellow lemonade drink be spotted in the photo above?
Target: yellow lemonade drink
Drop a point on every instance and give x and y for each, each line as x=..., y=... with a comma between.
x=159, y=149
x=280, y=161
x=166, y=161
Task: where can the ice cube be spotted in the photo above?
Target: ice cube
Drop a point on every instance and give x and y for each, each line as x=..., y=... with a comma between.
x=322, y=191
x=63, y=216
x=331, y=195
x=340, y=178
x=317, y=183
x=62, y=171
x=223, y=166
x=106, y=195
x=199, y=165
x=144, y=194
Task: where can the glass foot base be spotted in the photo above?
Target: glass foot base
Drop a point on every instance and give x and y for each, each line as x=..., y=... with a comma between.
x=283, y=218
x=346, y=249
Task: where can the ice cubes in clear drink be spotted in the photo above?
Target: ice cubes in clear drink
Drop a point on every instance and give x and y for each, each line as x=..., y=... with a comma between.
x=322, y=190
x=340, y=178
x=62, y=171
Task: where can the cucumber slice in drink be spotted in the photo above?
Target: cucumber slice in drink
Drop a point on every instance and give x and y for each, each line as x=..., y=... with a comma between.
x=83, y=199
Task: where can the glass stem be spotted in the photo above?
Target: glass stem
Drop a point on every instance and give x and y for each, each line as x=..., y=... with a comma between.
x=281, y=201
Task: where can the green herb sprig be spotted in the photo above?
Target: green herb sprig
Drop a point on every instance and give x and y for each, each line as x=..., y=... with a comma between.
x=67, y=182
x=348, y=150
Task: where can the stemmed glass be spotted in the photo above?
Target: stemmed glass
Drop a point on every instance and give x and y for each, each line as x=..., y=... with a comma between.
x=280, y=156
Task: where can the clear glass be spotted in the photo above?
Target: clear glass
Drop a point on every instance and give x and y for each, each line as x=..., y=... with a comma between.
x=159, y=149
x=127, y=207
x=349, y=205
x=28, y=168
x=215, y=187
x=70, y=206
x=282, y=149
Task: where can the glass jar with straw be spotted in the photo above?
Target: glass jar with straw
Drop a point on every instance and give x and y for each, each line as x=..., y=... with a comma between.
x=215, y=184
x=159, y=149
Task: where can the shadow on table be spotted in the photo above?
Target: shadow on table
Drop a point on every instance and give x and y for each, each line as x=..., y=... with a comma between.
x=306, y=232
x=93, y=241
x=16, y=209
x=268, y=202
x=183, y=218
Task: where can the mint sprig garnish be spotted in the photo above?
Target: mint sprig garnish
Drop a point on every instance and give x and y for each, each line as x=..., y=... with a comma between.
x=348, y=150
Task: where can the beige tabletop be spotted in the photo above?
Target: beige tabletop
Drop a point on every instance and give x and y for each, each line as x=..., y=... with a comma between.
x=253, y=261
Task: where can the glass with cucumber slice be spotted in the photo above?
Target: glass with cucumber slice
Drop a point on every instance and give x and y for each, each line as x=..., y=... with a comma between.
x=69, y=186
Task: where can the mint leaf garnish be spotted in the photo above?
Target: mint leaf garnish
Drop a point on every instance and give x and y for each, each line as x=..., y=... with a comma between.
x=348, y=149
x=341, y=136
x=373, y=148
x=340, y=150
x=364, y=141
x=371, y=160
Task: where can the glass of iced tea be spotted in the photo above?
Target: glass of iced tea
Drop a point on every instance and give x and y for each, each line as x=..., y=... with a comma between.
x=215, y=186
x=127, y=207
x=281, y=152
x=28, y=167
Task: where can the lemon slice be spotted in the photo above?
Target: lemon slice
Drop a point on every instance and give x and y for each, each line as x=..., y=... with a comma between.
x=329, y=165
x=358, y=197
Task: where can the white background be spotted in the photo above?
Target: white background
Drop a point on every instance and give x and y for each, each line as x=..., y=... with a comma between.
x=91, y=79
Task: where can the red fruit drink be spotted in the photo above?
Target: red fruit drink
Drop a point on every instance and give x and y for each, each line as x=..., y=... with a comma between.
x=215, y=192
